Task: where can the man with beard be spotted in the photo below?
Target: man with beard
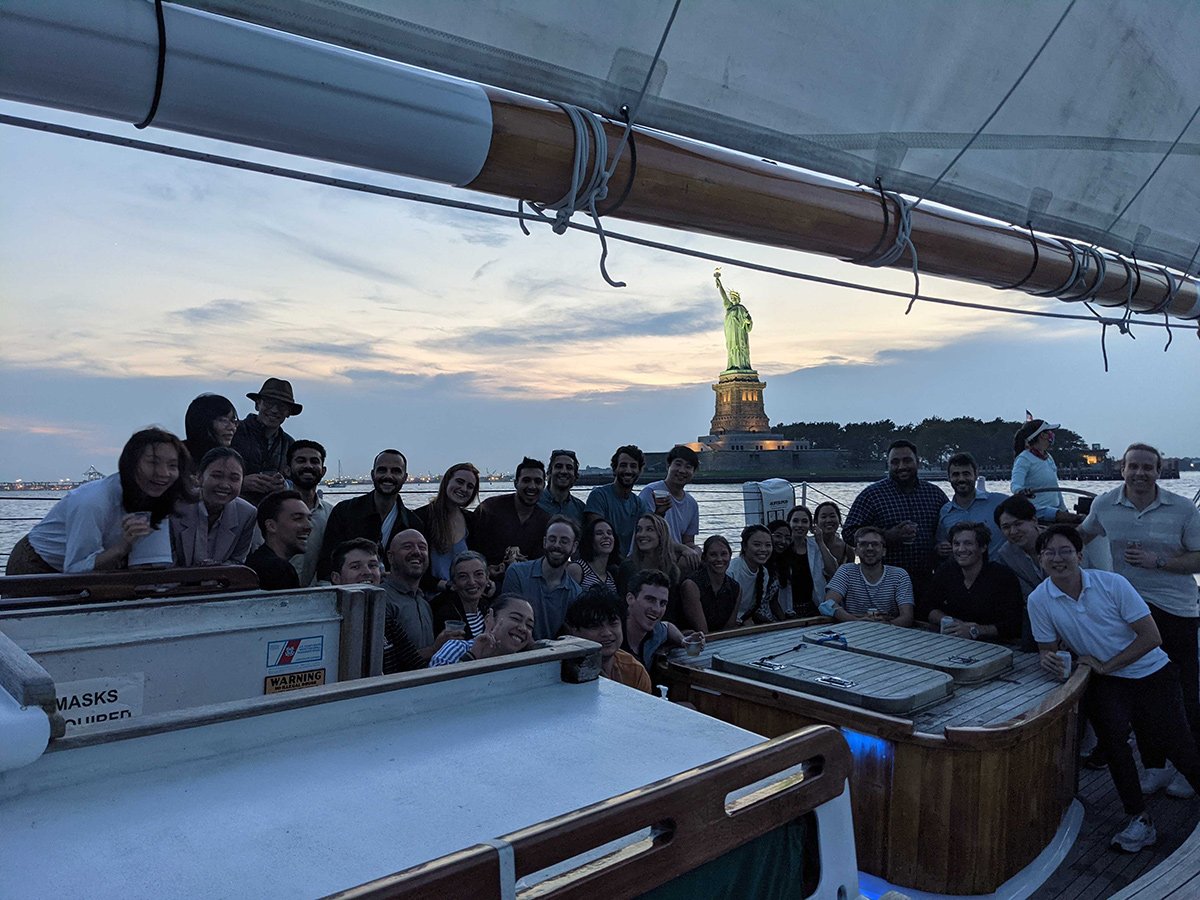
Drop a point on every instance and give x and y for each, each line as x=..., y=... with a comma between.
x=557, y=499
x=285, y=523
x=616, y=502
x=967, y=505
x=906, y=509
x=868, y=589
x=263, y=443
x=407, y=606
x=982, y=598
x=510, y=527
x=357, y=562
x=306, y=468
x=378, y=514
x=1154, y=536
x=544, y=582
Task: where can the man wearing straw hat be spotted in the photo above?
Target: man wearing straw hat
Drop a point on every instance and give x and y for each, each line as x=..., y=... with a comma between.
x=263, y=443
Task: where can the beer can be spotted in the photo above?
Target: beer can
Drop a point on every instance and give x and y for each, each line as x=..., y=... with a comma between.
x=1065, y=656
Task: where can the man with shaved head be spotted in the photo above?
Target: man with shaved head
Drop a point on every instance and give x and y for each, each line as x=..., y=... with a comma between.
x=378, y=514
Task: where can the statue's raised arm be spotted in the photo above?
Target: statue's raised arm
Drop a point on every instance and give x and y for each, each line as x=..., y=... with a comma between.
x=720, y=287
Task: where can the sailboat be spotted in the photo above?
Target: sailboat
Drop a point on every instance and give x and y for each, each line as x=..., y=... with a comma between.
x=1033, y=147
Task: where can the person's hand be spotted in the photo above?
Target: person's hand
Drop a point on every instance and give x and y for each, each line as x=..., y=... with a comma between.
x=943, y=548
x=445, y=635
x=662, y=505
x=960, y=630
x=264, y=482
x=496, y=572
x=1140, y=557
x=133, y=526
x=1094, y=664
x=1052, y=664
x=1029, y=493
x=483, y=646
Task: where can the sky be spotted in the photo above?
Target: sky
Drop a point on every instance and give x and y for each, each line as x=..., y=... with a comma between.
x=130, y=283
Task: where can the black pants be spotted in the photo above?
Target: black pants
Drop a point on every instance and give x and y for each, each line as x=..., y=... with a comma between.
x=1153, y=705
x=1179, y=643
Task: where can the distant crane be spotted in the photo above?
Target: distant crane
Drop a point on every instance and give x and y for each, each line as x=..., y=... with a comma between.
x=92, y=474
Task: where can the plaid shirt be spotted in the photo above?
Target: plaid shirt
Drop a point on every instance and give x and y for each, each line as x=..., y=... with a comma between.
x=883, y=505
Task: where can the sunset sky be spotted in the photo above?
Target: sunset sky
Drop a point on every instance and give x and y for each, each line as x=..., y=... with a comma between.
x=132, y=282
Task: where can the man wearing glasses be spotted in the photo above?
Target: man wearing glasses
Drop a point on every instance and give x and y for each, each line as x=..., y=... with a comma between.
x=263, y=443
x=1102, y=621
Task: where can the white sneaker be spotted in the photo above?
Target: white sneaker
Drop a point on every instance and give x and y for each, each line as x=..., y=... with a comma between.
x=1154, y=780
x=1138, y=833
x=1180, y=788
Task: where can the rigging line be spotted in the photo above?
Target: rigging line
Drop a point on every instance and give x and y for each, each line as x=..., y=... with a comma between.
x=161, y=67
x=468, y=206
x=999, y=106
x=1154, y=172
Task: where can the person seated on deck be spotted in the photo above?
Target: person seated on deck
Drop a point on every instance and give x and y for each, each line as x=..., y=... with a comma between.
x=510, y=528
x=447, y=523
x=1034, y=471
x=306, y=468
x=285, y=522
x=113, y=522
x=667, y=498
x=598, y=558
x=210, y=421
x=544, y=581
x=799, y=566
x=709, y=598
x=781, y=543
x=597, y=616
x=1103, y=621
x=217, y=529
x=646, y=631
x=379, y=514
x=617, y=501
x=407, y=606
x=508, y=628
x=652, y=549
x=827, y=533
x=466, y=598
x=982, y=598
x=357, y=562
x=758, y=587
x=869, y=590
x=967, y=504
x=263, y=443
x=557, y=499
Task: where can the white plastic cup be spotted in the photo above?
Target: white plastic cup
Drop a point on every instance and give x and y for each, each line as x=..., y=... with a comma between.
x=947, y=622
x=693, y=644
x=1064, y=657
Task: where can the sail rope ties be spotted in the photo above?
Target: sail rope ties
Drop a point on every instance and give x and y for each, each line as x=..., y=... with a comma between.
x=1037, y=255
x=878, y=256
x=161, y=68
x=591, y=144
x=379, y=190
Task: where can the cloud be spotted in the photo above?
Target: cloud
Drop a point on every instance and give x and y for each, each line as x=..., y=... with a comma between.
x=220, y=311
x=35, y=426
x=345, y=262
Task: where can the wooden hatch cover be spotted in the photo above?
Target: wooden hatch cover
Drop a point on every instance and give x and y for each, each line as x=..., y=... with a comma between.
x=966, y=661
x=882, y=685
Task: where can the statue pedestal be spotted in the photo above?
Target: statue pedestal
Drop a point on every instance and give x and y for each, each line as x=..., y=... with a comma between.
x=740, y=404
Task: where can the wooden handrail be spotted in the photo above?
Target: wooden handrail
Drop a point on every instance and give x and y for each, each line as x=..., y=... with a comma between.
x=28, y=683
x=94, y=587
x=689, y=819
x=1023, y=726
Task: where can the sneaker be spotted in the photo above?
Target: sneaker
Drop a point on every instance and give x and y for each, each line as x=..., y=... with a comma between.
x=1138, y=833
x=1096, y=760
x=1154, y=780
x=1180, y=788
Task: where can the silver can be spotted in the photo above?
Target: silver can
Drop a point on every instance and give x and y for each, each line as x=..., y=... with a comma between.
x=947, y=622
x=1065, y=658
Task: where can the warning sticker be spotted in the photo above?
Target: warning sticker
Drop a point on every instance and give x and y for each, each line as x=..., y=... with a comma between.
x=293, y=681
x=94, y=702
x=295, y=652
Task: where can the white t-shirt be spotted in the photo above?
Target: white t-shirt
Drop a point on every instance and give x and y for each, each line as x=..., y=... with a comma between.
x=684, y=515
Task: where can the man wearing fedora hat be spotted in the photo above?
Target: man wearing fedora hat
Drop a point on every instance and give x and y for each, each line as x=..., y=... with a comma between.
x=263, y=443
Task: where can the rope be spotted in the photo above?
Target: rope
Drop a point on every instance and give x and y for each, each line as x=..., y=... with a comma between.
x=877, y=258
x=467, y=206
x=1036, y=257
x=1076, y=257
x=999, y=106
x=162, y=65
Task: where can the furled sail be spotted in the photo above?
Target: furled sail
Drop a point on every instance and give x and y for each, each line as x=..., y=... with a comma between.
x=856, y=90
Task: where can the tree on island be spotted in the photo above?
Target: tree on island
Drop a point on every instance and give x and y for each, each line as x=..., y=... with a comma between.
x=938, y=439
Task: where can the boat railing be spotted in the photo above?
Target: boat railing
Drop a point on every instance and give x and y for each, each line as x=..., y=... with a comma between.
x=23, y=591
x=1026, y=724
x=660, y=831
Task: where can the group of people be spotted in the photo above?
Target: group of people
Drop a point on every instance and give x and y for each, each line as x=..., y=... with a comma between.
x=622, y=567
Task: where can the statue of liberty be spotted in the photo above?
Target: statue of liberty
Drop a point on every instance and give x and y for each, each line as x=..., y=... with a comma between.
x=737, y=329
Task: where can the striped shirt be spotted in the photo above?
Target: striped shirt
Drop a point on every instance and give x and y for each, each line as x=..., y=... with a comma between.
x=859, y=596
x=451, y=652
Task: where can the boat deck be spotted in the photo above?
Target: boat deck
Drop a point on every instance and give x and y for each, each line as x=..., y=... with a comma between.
x=1093, y=870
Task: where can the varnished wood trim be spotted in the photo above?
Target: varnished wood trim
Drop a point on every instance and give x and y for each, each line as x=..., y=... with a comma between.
x=99, y=587
x=1052, y=708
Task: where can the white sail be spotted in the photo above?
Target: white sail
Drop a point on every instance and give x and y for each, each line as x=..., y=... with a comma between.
x=856, y=89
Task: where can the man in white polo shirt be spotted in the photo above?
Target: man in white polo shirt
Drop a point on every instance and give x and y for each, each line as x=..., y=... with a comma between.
x=1155, y=540
x=1101, y=619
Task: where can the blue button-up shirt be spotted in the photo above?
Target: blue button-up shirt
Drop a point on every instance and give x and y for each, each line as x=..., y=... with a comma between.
x=982, y=508
x=549, y=603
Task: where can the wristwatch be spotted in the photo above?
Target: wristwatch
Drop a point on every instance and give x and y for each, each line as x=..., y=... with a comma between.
x=1160, y=562
x=974, y=632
